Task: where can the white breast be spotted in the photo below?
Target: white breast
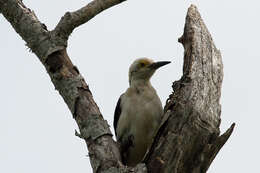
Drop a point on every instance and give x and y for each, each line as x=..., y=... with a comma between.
x=140, y=117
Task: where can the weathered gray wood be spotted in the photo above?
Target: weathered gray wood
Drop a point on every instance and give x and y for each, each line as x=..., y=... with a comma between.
x=51, y=50
x=189, y=139
x=71, y=20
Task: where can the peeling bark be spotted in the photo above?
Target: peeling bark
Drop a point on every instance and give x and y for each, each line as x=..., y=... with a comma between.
x=188, y=139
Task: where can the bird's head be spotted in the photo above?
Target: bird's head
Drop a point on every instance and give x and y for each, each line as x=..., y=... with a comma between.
x=142, y=69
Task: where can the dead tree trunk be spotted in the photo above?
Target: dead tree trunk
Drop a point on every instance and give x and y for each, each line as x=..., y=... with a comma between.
x=188, y=139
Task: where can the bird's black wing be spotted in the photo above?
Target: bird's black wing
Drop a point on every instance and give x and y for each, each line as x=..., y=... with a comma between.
x=117, y=113
x=127, y=142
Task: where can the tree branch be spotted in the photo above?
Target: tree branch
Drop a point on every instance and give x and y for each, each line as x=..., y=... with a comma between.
x=103, y=151
x=71, y=20
x=188, y=139
x=211, y=150
x=27, y=25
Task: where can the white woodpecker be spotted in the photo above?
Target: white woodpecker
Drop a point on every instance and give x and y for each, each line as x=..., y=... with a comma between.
x=138, y=112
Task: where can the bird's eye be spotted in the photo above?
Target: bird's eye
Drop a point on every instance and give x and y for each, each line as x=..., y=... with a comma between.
x=142, y=64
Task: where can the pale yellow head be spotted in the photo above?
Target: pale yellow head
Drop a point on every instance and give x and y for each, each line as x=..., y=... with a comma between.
x=143, y=69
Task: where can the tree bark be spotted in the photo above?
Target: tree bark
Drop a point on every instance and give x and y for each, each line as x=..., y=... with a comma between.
x=188, y=139
x=50, y=48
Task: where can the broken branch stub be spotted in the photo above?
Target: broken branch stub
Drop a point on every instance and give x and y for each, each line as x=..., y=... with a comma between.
x=183, y=141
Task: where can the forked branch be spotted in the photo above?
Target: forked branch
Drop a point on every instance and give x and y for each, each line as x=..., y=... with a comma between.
x=187, y=141
x=71, y=20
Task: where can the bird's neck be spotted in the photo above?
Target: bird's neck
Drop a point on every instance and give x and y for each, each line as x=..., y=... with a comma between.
x=140, y=84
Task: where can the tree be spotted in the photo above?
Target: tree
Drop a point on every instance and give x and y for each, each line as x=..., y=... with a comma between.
x=188, y=139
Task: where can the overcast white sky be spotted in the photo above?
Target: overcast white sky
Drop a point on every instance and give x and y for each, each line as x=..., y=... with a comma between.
x=36, y=127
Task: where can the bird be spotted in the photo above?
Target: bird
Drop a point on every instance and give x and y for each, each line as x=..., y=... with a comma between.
x=138, y=112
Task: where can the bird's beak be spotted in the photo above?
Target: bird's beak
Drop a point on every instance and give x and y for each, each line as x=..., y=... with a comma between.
x=158, y=64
